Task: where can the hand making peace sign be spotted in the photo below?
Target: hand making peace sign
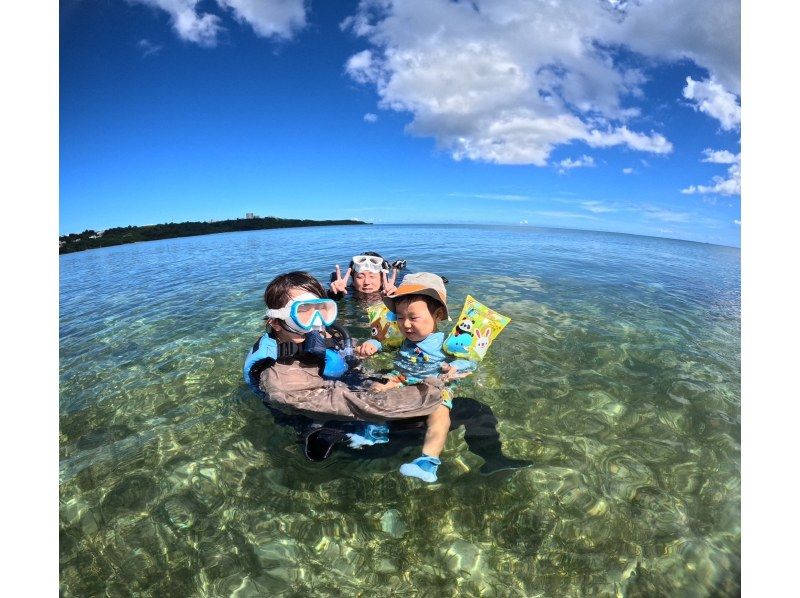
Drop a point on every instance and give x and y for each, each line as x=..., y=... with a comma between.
x=388, y=283
x=339, y=284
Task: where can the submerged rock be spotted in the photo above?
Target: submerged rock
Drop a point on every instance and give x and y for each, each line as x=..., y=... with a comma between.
x=392, y=523
x=464, y=556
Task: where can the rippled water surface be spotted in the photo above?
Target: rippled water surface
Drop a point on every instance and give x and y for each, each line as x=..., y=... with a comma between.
x=618, y=376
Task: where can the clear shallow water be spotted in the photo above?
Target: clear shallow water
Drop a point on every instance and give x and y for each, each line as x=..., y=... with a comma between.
x=619, y=376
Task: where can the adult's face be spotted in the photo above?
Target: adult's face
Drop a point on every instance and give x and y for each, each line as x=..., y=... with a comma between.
x=367, y=282
x=283, y=333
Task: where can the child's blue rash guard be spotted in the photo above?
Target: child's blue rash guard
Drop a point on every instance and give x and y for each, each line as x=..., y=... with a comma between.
x=420, y=360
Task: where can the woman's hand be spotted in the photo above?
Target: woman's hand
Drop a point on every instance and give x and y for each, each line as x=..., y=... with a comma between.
x=388, y=283
x=365, y=350
x=339, y=284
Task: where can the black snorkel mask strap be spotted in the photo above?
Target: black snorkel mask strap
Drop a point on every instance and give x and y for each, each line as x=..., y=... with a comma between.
x=343, y=342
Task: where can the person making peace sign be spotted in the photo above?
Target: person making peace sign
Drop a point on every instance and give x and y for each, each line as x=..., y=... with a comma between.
x=371, y=278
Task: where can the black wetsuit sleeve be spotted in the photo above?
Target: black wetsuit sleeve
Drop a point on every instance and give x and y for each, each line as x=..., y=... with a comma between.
x=335, y=296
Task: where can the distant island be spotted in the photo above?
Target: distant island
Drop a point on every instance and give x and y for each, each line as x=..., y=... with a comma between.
x=90, y=239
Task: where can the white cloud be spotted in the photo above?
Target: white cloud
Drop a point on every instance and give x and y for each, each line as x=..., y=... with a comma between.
x=663, y=215
x=383, y=208
x=148, y=48
x=361, y=68
x=582, y=162
x=713, y=99
x=503, y=82
x=556, y=214
x=655, y=143
x=720, y=156
x=369, y=117
x=506, y=81
x=493, y=196
x=627, y=170
x=597, y=207
x=279, y=18
x=737, y=222
x=200, y=28
x=730, y=185
x=707, y=32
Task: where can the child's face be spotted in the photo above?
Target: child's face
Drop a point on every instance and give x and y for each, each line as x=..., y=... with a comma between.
x=415, y=320
x=367, y=282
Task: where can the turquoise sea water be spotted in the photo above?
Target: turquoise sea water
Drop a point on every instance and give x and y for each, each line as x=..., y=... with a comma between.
x=619, y=376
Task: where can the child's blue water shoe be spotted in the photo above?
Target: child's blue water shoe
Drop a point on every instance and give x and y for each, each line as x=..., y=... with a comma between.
x=423, y=467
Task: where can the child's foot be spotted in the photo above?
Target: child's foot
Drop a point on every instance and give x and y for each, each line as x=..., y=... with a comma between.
x=423, y=467
x=504, y=464
x=370, y=434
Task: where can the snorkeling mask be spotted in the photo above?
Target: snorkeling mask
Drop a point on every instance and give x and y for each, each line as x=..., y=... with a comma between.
x=305, y=313
x=369, y=263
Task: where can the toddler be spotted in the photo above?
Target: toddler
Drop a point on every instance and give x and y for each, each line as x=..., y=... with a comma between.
x=419, y=304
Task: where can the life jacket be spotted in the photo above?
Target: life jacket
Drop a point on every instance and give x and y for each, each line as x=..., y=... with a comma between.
x=267, y=350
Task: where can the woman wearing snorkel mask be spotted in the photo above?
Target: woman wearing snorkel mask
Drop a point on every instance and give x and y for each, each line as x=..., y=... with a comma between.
x=297, y=367
x=371, y=278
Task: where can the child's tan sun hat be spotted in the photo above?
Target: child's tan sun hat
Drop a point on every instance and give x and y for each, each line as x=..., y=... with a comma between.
x=421, y=283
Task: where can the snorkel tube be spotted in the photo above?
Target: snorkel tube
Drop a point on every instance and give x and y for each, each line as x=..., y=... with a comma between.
x=334, y=361
x=343, y=339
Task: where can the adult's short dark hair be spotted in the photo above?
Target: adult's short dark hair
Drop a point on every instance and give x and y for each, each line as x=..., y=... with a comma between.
x=276, y=294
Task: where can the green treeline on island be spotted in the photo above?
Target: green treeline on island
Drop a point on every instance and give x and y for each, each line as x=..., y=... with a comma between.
x=90, y=239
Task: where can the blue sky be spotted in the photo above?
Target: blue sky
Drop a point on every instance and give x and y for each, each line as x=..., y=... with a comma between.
x=584, y=114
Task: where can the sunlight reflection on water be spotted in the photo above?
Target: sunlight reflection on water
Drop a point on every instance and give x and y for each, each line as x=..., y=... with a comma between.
x=619, y=376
